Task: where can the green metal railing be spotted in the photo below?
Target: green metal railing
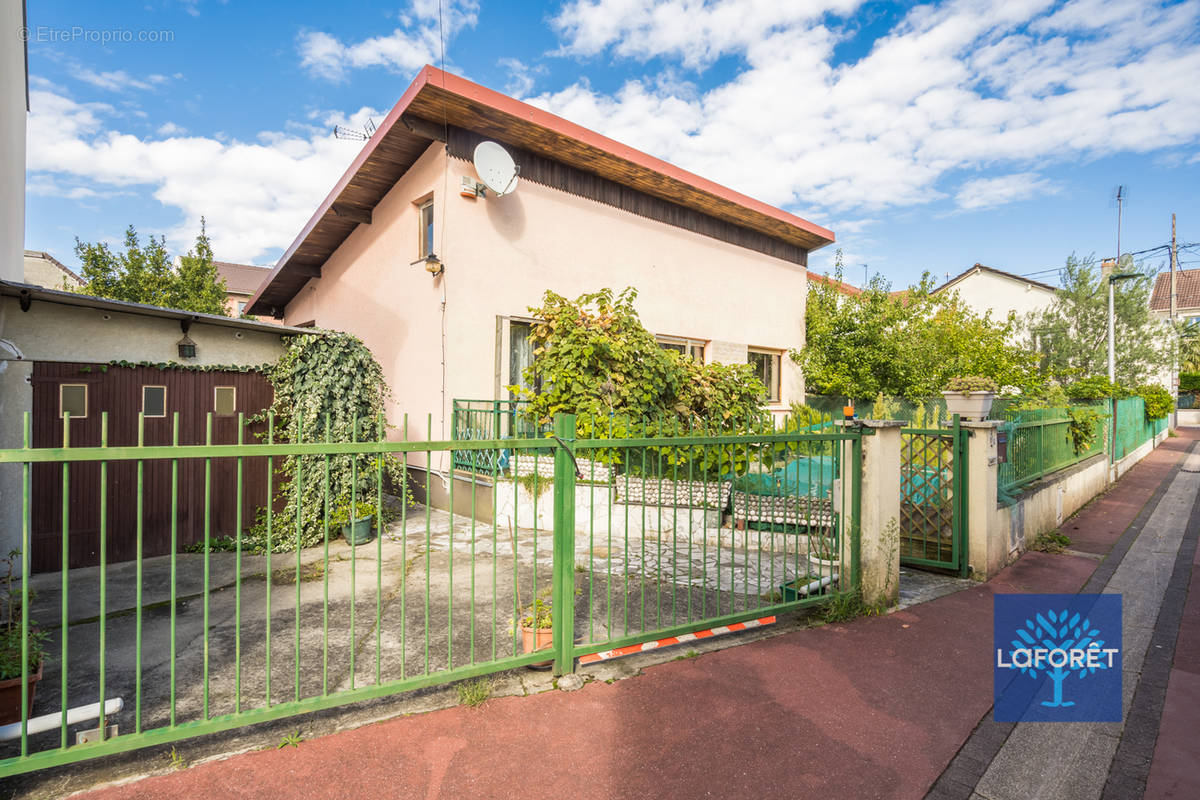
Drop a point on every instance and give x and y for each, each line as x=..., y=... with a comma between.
x=1131, y=429
x=203, y=640
x=1041, y=442
x=489, y=419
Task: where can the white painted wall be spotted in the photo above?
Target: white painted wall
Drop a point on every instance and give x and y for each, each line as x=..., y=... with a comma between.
x=986, y=291
x=12, y=143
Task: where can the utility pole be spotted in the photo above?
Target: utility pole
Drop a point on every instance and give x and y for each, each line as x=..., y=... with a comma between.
x=1174, y=262
x=1112, y=350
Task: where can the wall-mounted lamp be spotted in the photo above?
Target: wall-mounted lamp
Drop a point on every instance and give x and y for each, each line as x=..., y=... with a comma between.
x=433, y=264
x=187, y=348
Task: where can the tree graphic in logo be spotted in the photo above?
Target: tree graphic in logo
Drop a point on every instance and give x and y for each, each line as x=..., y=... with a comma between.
x=1052, y=644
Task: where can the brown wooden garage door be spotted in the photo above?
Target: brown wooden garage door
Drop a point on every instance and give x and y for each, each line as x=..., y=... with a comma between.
x=119, y=391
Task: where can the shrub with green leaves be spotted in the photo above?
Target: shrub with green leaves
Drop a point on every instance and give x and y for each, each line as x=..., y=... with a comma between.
x=595, y=359
x=971, y=383
x=1096, y=387
x=1158, y=400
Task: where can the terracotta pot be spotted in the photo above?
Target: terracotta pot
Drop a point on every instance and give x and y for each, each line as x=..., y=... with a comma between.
x=10, y=697
x=535, y=639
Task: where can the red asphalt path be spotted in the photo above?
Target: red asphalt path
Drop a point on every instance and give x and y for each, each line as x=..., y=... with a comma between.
x=871, y=709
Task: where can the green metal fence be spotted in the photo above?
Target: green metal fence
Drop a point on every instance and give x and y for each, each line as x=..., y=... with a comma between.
x=626, y=538
x=1131, y=429
x=489, y=419
x=1041, y=441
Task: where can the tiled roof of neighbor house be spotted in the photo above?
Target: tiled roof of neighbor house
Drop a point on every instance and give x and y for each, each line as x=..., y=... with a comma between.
x=841, y=286
x=437, y=106
x=54, y=263
x=241, y=278
x=981, y=268
x=1187, y=290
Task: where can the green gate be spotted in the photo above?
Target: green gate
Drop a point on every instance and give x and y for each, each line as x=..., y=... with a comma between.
x=933, y=498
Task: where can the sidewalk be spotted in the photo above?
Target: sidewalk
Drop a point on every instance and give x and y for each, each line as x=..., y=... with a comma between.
x=875, y=708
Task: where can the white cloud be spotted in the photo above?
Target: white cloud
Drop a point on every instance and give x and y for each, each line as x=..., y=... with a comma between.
x=255, y=195
x=119, y=80
x=521, y=76
x=696, y=32
x=171, y=129
x=991, y=192
x=1003, y=86
x=406, y=49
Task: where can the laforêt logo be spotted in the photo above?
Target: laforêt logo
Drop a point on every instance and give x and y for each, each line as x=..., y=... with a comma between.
x=1057, y=658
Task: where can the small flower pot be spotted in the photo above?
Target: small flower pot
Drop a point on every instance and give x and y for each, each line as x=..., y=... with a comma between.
x=969, y=405
x=535, y=639
x=10, y=697
x=361, y=532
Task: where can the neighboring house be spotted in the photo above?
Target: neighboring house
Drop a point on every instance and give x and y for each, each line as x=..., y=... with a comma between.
x=719, y=275
x=1187, y=295
x=1187, y=311
x=43, y=269
x=987, y=289
x=241, y=282
x=58, y=354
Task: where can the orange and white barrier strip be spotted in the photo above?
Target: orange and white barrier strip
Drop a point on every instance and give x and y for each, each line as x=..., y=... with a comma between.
x=605, y=655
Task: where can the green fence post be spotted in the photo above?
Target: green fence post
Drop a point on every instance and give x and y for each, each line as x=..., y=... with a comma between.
x=856, y=469
x=563, y=607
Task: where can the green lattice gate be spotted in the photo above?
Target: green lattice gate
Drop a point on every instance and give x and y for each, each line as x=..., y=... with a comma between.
x=933, y=498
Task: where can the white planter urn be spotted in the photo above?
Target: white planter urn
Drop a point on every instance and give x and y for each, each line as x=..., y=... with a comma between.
x=969, y=405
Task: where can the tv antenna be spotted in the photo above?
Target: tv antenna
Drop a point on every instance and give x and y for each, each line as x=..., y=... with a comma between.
x=496, y=168
x=353, y=134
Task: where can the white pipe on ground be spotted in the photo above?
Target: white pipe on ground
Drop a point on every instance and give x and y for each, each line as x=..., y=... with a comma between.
x=49, y=722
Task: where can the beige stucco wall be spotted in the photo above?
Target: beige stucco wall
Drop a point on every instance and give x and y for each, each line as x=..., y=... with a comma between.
x=501, y=254
x=985, y=291
x=52, y=332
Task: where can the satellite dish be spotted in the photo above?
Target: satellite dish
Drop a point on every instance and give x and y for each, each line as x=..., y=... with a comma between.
x=496, y=168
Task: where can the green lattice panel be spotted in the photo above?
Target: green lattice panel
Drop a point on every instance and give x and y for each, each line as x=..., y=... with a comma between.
x=926, y=497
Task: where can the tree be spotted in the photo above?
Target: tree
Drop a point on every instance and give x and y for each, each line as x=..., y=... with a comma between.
x=1071, y=336
x=146, y=274
x=906, y=344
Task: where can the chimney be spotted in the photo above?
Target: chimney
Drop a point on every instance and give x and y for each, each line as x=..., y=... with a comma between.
x=1107, y=267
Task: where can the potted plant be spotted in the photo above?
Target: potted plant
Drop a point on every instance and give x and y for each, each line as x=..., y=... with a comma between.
x=970, y=396
x=10, y=650
x=537, y=628
x=359, y=531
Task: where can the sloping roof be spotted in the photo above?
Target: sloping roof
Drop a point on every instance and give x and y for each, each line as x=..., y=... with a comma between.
x=434, y=104
x=241, y=278
x=28, y=292
x=1187, y=290
x=981, y=268
x=841, y=286
x=53, y=262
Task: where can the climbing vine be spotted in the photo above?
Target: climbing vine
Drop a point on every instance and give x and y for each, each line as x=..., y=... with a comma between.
x=328, y=387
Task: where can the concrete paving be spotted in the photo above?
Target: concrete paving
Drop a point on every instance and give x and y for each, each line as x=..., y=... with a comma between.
x=881, y=707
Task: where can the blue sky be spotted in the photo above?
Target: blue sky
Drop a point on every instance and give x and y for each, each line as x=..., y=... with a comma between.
x=927, y=136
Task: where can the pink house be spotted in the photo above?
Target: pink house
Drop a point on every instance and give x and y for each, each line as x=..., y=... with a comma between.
x=720, y=275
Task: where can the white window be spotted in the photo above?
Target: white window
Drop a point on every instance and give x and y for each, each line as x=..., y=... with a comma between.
x=241, y=307
x=425, y=235
x=73, y=400
x=154, y=401
x=225, y=401
x=766, y=366
x=693, y=348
